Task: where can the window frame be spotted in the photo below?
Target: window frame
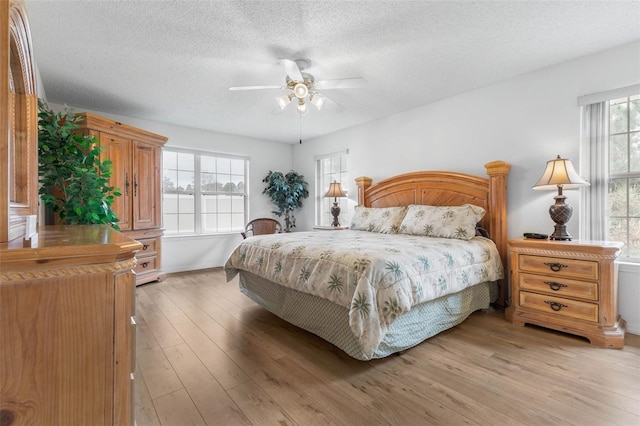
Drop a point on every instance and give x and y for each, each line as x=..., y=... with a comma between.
x=324, y=204
x=594, y=164
x=622, y=175
x=198, y=192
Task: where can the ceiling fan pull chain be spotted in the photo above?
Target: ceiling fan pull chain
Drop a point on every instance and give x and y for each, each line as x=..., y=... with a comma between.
x=300, y=115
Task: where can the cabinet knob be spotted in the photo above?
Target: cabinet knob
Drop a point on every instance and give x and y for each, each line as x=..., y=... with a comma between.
x=145, y=246
x=145, y=264
x=554, y=285
x=555, y=305
x=554, y=266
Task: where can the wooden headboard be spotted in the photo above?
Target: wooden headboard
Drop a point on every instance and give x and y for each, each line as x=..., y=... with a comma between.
x=439, y=188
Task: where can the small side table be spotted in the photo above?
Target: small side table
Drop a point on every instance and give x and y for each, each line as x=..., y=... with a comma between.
x=330, y=228
x=570, y=286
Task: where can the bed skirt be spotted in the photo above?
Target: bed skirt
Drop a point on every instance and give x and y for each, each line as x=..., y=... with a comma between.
x=331, y=322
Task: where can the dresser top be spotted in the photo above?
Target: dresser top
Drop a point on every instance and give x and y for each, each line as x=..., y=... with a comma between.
x=70, y=244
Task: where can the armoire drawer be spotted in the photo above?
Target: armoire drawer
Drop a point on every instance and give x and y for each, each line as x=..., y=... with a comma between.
x=148, y=246
x=145, y=265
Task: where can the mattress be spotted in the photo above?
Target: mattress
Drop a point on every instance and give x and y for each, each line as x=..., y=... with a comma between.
x=377, y=278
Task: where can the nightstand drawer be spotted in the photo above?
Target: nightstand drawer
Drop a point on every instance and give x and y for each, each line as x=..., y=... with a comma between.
x=559, y=286
x=553, y=266
x=559, y=306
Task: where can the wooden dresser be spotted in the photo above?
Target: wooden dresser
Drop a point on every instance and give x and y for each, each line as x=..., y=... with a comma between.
x=136, y=156
x=571, y=286
x=66, y=293
x=66, y=328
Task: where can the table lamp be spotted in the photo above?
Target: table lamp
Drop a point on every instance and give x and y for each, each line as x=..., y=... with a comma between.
x=560, y=174
x=335, y=191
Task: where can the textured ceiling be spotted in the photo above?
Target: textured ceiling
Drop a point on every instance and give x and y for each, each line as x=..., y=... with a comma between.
x=173, y=61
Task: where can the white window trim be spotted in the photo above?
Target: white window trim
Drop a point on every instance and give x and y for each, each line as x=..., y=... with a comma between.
x=198, y=208
x=320, y=191
x=594, y=163
x=608, y=95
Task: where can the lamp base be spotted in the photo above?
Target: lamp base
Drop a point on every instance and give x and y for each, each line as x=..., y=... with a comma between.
x=560, y=233
x=335, y=212
x=560, y=213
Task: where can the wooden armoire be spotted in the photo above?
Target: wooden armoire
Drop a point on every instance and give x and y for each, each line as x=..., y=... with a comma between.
x=67, y=351
x=136, y=156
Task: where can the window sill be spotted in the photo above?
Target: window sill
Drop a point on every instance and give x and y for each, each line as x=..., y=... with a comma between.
x=629, y=266
x=198, y=236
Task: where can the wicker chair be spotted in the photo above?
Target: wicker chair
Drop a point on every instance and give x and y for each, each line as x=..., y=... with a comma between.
x=261, y=226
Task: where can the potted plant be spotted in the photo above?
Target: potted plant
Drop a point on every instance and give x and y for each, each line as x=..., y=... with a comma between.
x=286, y=192
x=74, y=182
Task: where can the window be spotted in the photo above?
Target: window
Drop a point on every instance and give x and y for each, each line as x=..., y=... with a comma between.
x=624, y=174
x=331, y=168
x=610, y=162
x=203, y=193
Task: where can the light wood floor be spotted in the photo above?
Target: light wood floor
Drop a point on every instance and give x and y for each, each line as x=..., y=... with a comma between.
x=207, y=355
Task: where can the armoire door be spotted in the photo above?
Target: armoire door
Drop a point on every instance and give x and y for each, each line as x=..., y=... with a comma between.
x=118, y=150
x=146, y=186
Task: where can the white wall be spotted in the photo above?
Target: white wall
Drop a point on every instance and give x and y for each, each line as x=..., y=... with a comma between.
x=525, y=121
x=207, y=251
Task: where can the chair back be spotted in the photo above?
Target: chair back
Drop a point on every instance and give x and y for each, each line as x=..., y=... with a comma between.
x=261, y=226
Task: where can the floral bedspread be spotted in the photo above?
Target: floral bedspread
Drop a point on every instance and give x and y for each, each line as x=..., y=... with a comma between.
x=376, y=276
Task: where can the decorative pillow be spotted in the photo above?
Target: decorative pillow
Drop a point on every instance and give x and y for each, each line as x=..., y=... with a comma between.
x=442, y=221
x=385, y=220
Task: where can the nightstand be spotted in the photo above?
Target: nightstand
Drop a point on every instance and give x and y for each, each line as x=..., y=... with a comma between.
x=570, y=286
x=330, y=228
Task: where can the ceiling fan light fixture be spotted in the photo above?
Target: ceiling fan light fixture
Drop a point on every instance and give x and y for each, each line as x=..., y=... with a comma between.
x=302, y=107
x=317, y=100
x=283, y=101
x=300, y=90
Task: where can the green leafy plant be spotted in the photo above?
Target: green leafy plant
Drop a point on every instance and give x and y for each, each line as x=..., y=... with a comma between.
x=74, y=182
x=286, y=192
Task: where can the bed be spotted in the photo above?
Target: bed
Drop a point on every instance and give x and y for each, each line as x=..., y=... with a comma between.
x=426, y=249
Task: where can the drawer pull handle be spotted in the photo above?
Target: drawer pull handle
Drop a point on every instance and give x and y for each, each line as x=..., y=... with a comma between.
x=554, y=285
x=145, y=246
x=145, y=264
x=555, y=305
x=555, y=267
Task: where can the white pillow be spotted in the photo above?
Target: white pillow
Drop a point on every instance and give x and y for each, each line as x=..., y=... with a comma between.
x=442, y=221
x=385, y=220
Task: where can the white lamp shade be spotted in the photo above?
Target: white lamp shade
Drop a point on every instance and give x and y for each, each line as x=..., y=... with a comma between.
x=317, y=101
x=559, y=173
x=302, y=108
x=300, y=90
x=283, y=101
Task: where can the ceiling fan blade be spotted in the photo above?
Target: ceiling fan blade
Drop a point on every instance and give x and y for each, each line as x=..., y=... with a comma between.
x=331, y=106
x=341, y=83
x=277, y=110
x=234, y=88
x=292, y=69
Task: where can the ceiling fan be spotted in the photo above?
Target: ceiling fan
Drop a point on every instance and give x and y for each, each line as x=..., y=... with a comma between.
x=304, y=88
